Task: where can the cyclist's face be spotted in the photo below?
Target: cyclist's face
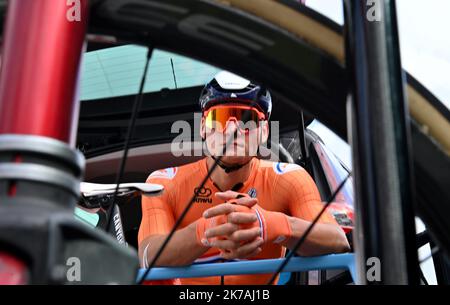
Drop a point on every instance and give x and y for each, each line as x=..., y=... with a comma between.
x=244, y=138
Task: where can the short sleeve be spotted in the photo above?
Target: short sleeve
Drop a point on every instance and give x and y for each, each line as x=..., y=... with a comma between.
x=157, y=212
x=302, y=196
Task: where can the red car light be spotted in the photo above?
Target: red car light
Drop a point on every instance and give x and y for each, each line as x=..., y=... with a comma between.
x=13, y=271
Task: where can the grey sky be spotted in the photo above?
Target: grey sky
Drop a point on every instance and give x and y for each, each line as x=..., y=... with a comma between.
x=424, y=39
x=425, y=51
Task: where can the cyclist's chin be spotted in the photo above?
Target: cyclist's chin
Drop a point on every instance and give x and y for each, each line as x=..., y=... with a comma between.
x=236, y=159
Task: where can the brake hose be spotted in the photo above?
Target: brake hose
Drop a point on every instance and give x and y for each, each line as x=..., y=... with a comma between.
x=130, y=131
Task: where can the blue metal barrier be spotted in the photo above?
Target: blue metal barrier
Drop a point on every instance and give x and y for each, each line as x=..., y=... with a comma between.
x=333, y=261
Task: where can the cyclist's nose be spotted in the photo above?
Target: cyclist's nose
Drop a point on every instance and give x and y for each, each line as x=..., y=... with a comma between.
x=231, y=127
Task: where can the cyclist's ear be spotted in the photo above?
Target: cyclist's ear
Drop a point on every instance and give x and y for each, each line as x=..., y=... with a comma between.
x=202, y=129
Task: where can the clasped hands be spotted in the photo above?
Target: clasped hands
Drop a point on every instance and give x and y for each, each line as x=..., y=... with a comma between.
x=240, y=227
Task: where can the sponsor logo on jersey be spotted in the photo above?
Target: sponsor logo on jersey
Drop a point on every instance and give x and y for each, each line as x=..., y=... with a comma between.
x=283, y=168
x=202, y=195
x=167, y=173
x=252, y=192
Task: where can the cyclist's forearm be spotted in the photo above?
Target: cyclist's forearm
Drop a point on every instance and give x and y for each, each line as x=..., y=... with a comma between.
x=181, y=250
x=323, y=239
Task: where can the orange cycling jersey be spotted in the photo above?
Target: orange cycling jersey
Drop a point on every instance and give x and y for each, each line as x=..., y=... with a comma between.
x=279, y=187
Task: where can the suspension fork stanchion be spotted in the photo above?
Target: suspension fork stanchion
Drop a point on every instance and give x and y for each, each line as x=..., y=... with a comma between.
x=40, y=170
x=380, y=140
x=41, y=53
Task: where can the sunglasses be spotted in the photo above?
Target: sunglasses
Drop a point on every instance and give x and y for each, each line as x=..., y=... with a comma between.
x=246, y=117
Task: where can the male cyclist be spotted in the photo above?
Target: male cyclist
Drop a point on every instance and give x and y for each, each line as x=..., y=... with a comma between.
x=249, y=208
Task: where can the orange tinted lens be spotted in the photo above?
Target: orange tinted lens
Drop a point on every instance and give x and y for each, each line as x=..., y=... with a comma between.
x=217, y=118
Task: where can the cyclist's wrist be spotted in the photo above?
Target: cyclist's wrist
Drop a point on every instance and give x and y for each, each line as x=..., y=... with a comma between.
x=276, y=226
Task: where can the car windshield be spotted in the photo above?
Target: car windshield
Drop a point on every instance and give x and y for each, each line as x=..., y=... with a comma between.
x=117, y=71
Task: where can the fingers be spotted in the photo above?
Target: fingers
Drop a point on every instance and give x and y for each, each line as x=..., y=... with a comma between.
x=241, y=218
x=254, y=253
x=245, y=201
x=222, y=230
x=225, y=245
x=236, y=239
x=245, y=235
x=240, y=198
x=227, y=195
x=227, y=208
x=244, y=251
x=249, y=248
x=221, y=209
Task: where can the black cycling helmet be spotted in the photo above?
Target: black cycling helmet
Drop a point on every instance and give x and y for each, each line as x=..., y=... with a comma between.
x=227, y=87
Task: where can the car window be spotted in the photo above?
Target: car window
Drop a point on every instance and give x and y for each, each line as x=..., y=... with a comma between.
x=110, y=80
x=338, y=146
x=117, y=71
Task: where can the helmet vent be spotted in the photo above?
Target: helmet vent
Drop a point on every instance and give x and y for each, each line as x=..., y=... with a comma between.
x=216, y=86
